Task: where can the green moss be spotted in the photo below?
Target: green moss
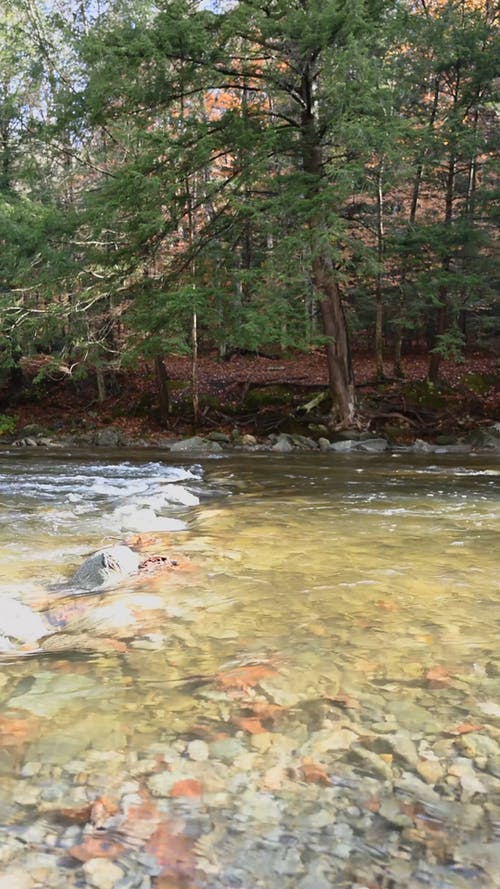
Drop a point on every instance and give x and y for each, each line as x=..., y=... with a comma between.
x=267, y=395
x=425, y=394
x=480, y=383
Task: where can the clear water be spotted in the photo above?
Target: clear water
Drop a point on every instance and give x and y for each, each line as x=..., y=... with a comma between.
x=322, y=669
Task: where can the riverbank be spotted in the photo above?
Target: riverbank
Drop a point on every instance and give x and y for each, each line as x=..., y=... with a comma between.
x=485, y=439
x=253, y=396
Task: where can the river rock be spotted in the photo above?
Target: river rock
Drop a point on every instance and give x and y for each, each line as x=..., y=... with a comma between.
x=101, y=873
x=106, y=568
x=179, y=494
x=374, y=445
x=282, y=444
x=112, y=437
x=19, y=622
x=344, y=446
x=15, y=878
x=196, y=443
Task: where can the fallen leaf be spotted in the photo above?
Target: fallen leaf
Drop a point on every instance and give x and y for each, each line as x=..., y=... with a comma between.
x=173, y=852
x=142, y=819
x=244, y=677
x=314, y=773
x=14, y=731
x=101, y=810
x=372, y=804
x=96, y=847
x=387, y=606
x=464, y=728
x=251, y=724
x=265, y=709
x=77, y=815
x=438, y=677
x=186, y=787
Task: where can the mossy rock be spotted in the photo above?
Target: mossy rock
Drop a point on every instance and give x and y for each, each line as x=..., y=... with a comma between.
x=481, y=383
x=426, y=394
x=267, y=395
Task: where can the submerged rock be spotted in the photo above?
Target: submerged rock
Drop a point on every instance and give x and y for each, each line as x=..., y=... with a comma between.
x=19, y=622
x=106, y=568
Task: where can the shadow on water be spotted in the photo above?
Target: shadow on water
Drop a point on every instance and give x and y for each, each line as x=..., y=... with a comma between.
x=310, y=700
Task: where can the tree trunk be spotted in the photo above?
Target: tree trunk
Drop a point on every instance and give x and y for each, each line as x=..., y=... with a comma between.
x=101, y=384
x=324, y=279
x=338, y=353
x=379, y=305
x=194, y=371
x=163, y=391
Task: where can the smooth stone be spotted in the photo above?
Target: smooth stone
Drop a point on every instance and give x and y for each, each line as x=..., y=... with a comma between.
x=324, y=443
x=226, y=749
x=283, y=445
x=101, y=873
x=259, y=806
x=423, y=447
x=403, y=747
x=51, y=692
x=390, y=810
x=248, y=440
x=374, y=445
x=179, y=494
x=372, y=762
x=106, y=568
x=198, y=751
x=111, y=437
x=413, y=717
x=344, y=446
x=143, y=520
x=430, y=770
x=20, y=622
x=195, y=443
x=16, y=878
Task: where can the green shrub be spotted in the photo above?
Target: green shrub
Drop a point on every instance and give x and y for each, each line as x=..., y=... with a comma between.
x=7, y=424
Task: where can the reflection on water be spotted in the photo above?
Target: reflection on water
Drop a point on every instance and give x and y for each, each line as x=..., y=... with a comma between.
x=310, y=700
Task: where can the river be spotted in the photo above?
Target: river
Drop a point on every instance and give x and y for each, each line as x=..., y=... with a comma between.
x=307, y=699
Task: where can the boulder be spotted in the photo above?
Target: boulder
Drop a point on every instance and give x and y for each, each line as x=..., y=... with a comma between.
x=109, y=438
x=19, y=622
x=106, y=568
x=196, y=443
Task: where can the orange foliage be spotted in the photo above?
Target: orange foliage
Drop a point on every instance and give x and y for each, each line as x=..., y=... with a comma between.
x=464, y=728
x=314, y=773
x=244, y=677
x=173, y=852
x=97, y=847
x=14, y=731
x=186, y=787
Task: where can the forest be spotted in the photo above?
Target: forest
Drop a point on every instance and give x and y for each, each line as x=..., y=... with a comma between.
x=181, y=179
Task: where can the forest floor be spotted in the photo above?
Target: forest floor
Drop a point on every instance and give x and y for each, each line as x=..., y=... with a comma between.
x=258, y=394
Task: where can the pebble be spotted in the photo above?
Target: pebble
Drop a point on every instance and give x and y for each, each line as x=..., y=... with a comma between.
x=15, y=879
x=430, y=770
x=198, y=751
x=101, y=873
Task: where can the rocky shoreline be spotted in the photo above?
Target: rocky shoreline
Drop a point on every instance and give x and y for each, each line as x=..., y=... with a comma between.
x=485, y=439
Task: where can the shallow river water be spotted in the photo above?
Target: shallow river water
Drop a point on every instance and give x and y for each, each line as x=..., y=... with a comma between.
x=308, y=699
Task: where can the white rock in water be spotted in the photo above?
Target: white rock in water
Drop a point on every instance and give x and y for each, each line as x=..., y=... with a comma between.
x=106, y=568
x=144, y=520
x=179, y=494
x=17, y=621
